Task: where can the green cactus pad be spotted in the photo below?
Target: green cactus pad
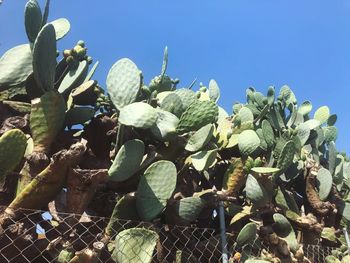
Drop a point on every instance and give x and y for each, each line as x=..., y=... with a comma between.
x=165, y=127
x=200, y=138
x=32, y=19
x=139, y=115
x=44, y=58
x=332, y=120
x=247, y=234
x=187, y=97
x=287, y=95
x=62, y=27
x=84, y=94
x=255, y=192
x=324, y=183
x=15, y=66
x=125, y=209
x=271, y=95
x=91, y=72
x=156, y=186
x=204, y=159
x=123, y=82
x=213, y=90
x=286, y=156
x=268, y=133
x=46, y=119
x=284, y=229
x=190, y=208
x=305, y=108
x=13, y=144
x=330, y=133
x=286, y=201
x=74, y=78
x=78, y=115
x=245, y=114
x=303, y=133
x=265, y=170
x=173, y=104
x=322, y=114
x=332, y=157
x=248, y=142
x=135, y=245
x=197, y=115
x=127, y=161
x=313, y=124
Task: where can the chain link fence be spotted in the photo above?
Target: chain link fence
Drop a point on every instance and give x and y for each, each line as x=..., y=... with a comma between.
x=35, y=236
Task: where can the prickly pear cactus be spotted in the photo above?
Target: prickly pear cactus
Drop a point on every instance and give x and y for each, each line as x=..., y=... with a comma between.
x=13, y=144
x=123, y=83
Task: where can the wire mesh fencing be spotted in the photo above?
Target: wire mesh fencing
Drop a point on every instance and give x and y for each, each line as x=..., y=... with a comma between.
x=37, y=236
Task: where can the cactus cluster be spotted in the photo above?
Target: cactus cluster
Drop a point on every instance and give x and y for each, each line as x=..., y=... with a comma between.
x=168, y=154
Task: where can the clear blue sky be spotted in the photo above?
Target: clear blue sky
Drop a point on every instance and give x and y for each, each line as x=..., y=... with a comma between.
x=240, y=43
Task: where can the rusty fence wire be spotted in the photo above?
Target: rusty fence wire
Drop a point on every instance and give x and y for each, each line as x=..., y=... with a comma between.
x=35, y=236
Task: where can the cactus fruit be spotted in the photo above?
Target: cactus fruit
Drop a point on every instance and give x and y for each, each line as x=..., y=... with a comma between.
x=123, y=83
x=44, y=58
x=197, y=115
x=135, y=245
x=139, y=115
x=127, y=161
x=13, y=144
x=156, y=186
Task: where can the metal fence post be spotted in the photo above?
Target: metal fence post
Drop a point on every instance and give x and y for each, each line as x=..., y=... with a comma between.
x=223, y=233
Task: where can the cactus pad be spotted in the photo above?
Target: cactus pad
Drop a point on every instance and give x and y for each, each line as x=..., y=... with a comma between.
x=135, y=245
x=62, y=27
x=79, y=115
x=200, y=138
x=123, y=82
x=197, y=115
x=46, y=119
x=268, y=133
x=44, y=58
x=247, y=234
x=248, y=142
x=32, y=19
x=322, y=114
x=286, y=156
x=255, y=192
x=324, y=183
x=190, y=208
x=214, y=91
x=173, y=104
x=165, y=127
x=156, y=186
x=127, y=161
x=204, y=159
x=15, y=66
x=13, y=144
x=74, y=78
x=139, y=115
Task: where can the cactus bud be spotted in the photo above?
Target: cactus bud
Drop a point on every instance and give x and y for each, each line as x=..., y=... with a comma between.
x=89, y=59
x=203, y=89
x=81, y=43
x=70, y=59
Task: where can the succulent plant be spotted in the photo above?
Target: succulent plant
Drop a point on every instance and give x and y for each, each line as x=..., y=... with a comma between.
x=168, y=154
